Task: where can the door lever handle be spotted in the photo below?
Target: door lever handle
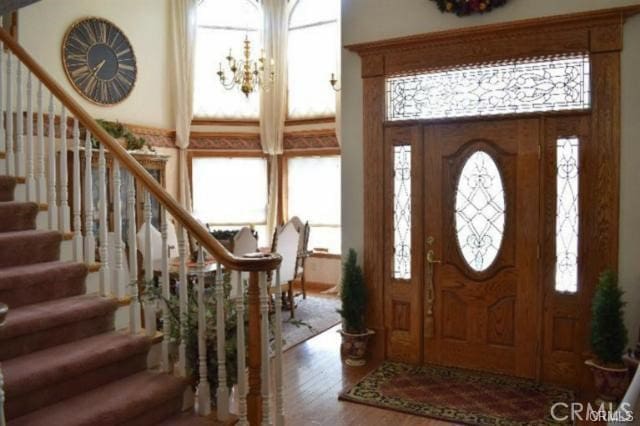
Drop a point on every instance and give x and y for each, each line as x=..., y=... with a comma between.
x=431, y=257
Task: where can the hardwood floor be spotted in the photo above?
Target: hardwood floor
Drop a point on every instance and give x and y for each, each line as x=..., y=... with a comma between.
x=314, y=376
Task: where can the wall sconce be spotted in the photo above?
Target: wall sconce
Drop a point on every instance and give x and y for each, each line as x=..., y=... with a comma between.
x=334, y=83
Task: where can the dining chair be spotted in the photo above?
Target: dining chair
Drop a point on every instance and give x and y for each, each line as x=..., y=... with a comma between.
x=244, y=242
x=286, y=245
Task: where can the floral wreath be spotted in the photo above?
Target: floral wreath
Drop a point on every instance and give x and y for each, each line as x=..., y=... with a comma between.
x=468, y=7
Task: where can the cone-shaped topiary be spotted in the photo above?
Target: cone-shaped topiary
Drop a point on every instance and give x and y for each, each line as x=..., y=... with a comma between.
x=608, y=332
x=354, y=295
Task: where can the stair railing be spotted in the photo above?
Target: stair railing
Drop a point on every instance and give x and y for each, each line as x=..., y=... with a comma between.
x=38, y=155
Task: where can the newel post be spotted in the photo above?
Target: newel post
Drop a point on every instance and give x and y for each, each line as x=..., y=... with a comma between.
x=254, y=397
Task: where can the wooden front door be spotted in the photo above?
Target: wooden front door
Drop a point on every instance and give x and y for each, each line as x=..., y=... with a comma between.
x=480, y=239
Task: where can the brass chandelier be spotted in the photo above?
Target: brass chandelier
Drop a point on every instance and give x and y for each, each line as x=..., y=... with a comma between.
x=246, y=73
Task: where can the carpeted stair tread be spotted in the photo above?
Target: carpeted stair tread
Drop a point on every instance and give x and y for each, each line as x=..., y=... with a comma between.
x=7, y=186
x=29, y=284
x=54, y=313
x=50, y=366
x=29, y=247
x=118, y=402
x=17, y=216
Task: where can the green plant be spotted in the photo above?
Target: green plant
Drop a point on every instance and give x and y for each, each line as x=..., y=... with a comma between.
x=354, y=295
x=608, y=332
x=120, y=131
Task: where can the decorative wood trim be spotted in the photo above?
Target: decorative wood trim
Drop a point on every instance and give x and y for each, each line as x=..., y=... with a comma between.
x=304, y=121
x=589, y=31
x=225, y=141
x=221, y=122
x=311, y=139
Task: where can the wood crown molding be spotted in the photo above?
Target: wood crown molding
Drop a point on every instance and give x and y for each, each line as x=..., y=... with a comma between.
x=594, y=31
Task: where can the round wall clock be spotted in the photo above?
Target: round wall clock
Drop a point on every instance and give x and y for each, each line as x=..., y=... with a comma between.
x=99, y=61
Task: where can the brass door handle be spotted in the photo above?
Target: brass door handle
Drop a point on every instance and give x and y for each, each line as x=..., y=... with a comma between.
x=431, y=257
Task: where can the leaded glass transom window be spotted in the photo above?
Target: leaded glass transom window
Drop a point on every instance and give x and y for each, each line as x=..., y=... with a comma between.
x=567, y=216
x=402, y=212
x=480, y=211
x=510, y=87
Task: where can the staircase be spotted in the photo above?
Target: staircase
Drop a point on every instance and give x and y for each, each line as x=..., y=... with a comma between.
x=63, y=363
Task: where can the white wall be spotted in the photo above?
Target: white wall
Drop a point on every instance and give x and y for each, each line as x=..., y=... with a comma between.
x=370, y=20
x=42, y=27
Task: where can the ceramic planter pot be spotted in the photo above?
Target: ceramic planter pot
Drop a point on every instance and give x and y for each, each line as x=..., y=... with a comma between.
x=611, y=382
x=354, y=347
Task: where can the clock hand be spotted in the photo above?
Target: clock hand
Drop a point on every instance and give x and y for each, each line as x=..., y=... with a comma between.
x=98, y=67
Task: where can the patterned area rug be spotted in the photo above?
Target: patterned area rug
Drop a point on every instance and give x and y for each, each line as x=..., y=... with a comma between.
x=457, y=395
x=314, y=315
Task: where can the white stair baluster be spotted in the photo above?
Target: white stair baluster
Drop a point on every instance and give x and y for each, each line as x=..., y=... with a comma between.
x=264, y=346
x=77, y=198
x=8, y=124
x=64, y=215
x=19, y=144
x=105, y=271
x=41, y=179
x=134, y=307
x=166, y=290
x=242, y=352
x=183, y=295
x=30, y=149
x=279, y=416
x=204, y=391
x=52, y=191
x=117, y=277
x=89, y=237
x=149, y=309
x=3, y=144
x=222, y=393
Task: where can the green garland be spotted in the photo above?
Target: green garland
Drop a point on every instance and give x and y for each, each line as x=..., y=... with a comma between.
x=468, y=7
x=120, y=131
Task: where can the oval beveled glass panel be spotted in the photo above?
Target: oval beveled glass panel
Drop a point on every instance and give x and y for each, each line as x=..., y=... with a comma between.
x=480, y=211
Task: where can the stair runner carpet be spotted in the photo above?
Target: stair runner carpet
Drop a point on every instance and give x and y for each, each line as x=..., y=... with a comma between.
x=62, y=360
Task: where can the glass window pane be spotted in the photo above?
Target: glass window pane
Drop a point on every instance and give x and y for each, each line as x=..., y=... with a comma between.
x=567, y=216
x=402, y=212
x=230, y=191
x=312, y=58
x=314, y=189
x=538, y=84
x=210, y=98
x=480, y=211
x=308, y=12
x=325, y=237
x=242, y=14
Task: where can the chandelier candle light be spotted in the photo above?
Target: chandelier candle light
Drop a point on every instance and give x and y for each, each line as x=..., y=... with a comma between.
x=248, y=74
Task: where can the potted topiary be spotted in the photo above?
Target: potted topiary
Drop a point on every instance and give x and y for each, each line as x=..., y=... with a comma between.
x=608, y=340
x=355, y=334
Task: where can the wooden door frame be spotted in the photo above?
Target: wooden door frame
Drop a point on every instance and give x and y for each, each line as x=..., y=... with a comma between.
x=598, y=33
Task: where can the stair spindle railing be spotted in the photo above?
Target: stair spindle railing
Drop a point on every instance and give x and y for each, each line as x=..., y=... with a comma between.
x=222, y=393
x=105, y=271
x=134, y=292
x=30, y=149
x=64, y=215
x=78, y=255
x=204, y=390
x=19, y=140
x=41, y=179
x=38, y=152
x=8, y=121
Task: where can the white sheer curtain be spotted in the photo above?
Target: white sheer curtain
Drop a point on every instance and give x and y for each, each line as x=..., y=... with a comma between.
x=184, y=18
x=273, y=101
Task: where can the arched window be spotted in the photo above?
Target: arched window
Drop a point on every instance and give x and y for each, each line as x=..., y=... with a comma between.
x=223, y=25
x=312, y=57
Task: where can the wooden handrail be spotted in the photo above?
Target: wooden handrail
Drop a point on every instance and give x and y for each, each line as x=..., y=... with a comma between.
x=184, y=218
x=4, y=310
